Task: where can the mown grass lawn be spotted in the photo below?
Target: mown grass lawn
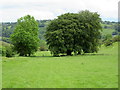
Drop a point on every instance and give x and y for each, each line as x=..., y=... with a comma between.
x=44, y=71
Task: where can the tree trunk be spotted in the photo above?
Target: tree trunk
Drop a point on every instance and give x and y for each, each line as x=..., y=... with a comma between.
x=69, y=52
x=21, y=54
x=29, y=54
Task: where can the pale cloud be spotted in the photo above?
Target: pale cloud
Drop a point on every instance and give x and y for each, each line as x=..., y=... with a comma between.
x=50, y=9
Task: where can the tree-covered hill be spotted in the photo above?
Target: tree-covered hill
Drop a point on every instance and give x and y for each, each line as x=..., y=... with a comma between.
x=109, y=28
x=8, y=28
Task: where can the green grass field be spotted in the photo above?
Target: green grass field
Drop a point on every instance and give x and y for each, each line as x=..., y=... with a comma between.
x=44, y=71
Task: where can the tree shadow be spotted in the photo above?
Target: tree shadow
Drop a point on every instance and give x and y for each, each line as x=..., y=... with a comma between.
x=39, y=56
x=93, y=54
x=86, y=54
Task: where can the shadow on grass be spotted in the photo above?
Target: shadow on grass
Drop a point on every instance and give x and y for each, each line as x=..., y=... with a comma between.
x=39, y=56
x=87, y=54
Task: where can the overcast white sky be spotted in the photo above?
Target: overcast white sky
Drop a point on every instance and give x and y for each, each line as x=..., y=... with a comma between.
x=11, y=10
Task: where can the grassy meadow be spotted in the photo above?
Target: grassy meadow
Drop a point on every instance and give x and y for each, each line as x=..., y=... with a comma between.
x=98, y=70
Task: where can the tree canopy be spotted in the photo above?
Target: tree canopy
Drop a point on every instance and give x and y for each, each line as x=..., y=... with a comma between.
x=74, y=32
x=25, y=37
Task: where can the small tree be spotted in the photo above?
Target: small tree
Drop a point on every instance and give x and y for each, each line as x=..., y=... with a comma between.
x=25, y=37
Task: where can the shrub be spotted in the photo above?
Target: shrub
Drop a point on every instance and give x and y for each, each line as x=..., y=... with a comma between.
x=108, y=43
x=116, y=38
x=10, y=51
x=2, y=51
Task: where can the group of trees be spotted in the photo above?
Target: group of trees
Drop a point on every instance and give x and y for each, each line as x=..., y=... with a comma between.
x=74, y=32
x=70, y=32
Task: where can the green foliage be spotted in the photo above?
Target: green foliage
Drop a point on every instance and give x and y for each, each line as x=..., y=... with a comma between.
x=25, y=37
x=7, y=51
x=42, y=28
x=7, y=29
x=116, y=38
x=43, y=46
x=5, y=39
x=108, y=42
x=74, y=33
x=10, y=51
x=59, y=34
x=91, y=26
x=107, y=37
x=3, y=46
x=3, y=51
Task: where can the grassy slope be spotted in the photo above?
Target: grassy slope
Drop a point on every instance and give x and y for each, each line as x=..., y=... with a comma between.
x=108, y=30
x=43, y=71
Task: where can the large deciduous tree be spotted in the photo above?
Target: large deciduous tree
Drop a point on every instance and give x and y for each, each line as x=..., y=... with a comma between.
x=90, y=26
x=74, y=32
x=59, y=35
x=25, y=37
